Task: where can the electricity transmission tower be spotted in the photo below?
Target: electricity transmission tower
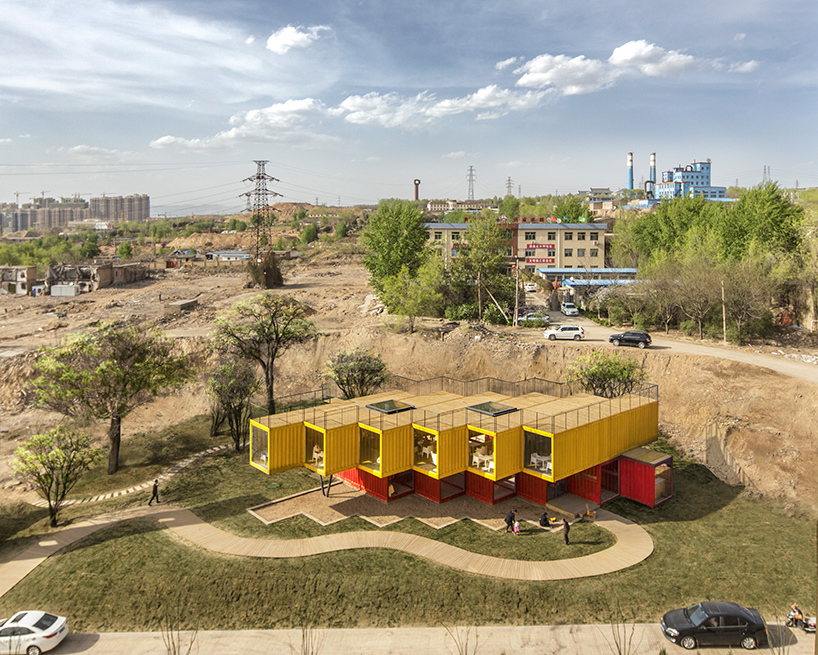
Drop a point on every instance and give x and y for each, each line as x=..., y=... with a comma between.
x=509, y=187
x=471, y=183
x=261, y=217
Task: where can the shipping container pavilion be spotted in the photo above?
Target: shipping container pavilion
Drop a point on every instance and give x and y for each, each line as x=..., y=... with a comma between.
x=487, y=438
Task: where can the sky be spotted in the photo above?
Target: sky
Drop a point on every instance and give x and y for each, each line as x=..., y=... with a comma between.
x=350, y=101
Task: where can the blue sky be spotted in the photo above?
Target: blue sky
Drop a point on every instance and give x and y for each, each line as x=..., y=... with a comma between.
x=352, y=101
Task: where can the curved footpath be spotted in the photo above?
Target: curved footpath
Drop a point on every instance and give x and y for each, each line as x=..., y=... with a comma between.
x=632, y=546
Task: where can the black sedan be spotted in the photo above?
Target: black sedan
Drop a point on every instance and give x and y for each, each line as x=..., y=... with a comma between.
x=715, y=624
x=631, y=338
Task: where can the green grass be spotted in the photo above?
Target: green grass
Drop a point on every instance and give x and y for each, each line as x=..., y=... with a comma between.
x=711, y=542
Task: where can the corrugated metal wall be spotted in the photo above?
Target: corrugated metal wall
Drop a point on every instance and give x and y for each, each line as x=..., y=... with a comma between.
x=285, y=446
x=637, y=481
x=595, y=443
x=508, y=453
x=396, y=450
x=427, y=486
x=341, y=449
x=532, y=487
x=479, y=487
x=453, y=451
x=587, y=484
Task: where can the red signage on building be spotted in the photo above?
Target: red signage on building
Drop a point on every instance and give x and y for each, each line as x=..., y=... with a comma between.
x=539, y=260
x=550, y=246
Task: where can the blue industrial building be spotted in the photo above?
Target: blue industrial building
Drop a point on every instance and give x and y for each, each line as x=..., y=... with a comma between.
x=689, y=181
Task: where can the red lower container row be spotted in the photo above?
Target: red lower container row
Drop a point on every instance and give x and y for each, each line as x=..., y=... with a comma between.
x=648, y=483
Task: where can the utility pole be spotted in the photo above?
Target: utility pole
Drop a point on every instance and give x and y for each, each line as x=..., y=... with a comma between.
x=471, y=183
x=260, y=219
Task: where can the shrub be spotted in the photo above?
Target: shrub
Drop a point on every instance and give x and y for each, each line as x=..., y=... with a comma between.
x=462, y=312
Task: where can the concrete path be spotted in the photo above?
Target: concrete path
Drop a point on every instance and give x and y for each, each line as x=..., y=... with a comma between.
x=632, y=546
x=491, y=640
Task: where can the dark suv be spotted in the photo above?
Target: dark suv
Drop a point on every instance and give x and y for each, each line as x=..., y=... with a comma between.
x=631, y=338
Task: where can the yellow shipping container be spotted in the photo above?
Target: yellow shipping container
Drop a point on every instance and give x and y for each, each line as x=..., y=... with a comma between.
x=341, y=449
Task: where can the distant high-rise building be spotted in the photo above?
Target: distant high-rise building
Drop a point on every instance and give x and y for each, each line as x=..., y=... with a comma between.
x=121, y=208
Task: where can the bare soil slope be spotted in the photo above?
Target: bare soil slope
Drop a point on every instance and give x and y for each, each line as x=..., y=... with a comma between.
x=749, y=424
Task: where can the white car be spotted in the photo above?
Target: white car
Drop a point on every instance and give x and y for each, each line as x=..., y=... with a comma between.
x=569, y=309
x=574, y=332
x=31, y=633
x=531, y=287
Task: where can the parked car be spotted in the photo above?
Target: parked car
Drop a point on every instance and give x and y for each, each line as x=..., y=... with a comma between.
x=715, y=623
x=31, y=632
x=574, y=332
x=631, y=338
x=533, y=317
x=569, y=309
x=530, y=286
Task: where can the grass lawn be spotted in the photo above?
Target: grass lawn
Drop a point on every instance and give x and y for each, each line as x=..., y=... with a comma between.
x=712, y=542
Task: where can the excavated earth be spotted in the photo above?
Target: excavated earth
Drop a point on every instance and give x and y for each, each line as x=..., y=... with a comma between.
x=750, y=425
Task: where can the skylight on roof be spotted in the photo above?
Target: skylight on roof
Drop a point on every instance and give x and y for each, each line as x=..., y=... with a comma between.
x=492, y=408
x=390, y=406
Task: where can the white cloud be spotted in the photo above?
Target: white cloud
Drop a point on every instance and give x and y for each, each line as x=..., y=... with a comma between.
x=92, y=151
x=500, y=101
x=387, y=110
x=250, y=40
x=569, y=76
x=740, y=36
x=460, y=154
x=289, y=37
x=286, y=122
x=744, y=67
x=651, y=59
x=5, y=141
x=500, y=65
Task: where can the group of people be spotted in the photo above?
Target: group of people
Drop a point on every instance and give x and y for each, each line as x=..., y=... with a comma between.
x=513, y=525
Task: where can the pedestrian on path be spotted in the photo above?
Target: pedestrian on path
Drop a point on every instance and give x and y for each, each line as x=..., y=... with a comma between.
x=510, y=518
x=566, y=528
x=155, y=493
x=544, y=523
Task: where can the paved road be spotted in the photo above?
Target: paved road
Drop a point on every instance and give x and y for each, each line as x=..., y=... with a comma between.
x=492, y=640
x=596, y=334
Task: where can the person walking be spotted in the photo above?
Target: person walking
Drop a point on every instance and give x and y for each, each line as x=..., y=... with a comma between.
x=510, y=518
x=155, y=493
x=566, y=528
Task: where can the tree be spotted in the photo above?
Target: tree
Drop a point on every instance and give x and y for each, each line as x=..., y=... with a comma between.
x=267, y=274
x=509, y=207
x=230, y=386
x=357, y=372
x=107, y=373
x=261, y=329
x=309, y=234
x=341, y=229
x=661, y=285
x=747, y=289
x=53, y=463
x=414, y=296
x=605, y=374
x=125, y=250
x=482, y=257
x=395, y=237
x=572, y=208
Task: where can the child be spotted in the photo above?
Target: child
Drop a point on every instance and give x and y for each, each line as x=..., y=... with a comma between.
x=516, y=527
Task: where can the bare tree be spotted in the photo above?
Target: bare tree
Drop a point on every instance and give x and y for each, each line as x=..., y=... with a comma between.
x=261, y=329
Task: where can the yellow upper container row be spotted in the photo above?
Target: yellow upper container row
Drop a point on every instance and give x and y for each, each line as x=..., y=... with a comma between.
x=442, y=433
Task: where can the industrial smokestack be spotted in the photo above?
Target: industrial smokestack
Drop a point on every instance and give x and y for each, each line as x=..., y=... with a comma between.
x=630, y=171
x=653, y=166
x=417, y=189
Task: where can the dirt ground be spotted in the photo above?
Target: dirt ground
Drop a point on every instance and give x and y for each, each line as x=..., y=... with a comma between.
x=751, y=425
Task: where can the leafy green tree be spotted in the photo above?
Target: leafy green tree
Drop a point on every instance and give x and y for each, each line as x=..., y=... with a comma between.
x=482, y=256
x=231, y=386
x=697, y=286
x=747, y=290
x=605, y=374
x=53, y=463
x=309, y=234
x=410, y=296
x=509, y=207
x=395, y=237
x=90, y=248
x=572, y=208
x=341, y=229
x=106, y=373
x=125, y=251
x=260, y=330
x=357, y=372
